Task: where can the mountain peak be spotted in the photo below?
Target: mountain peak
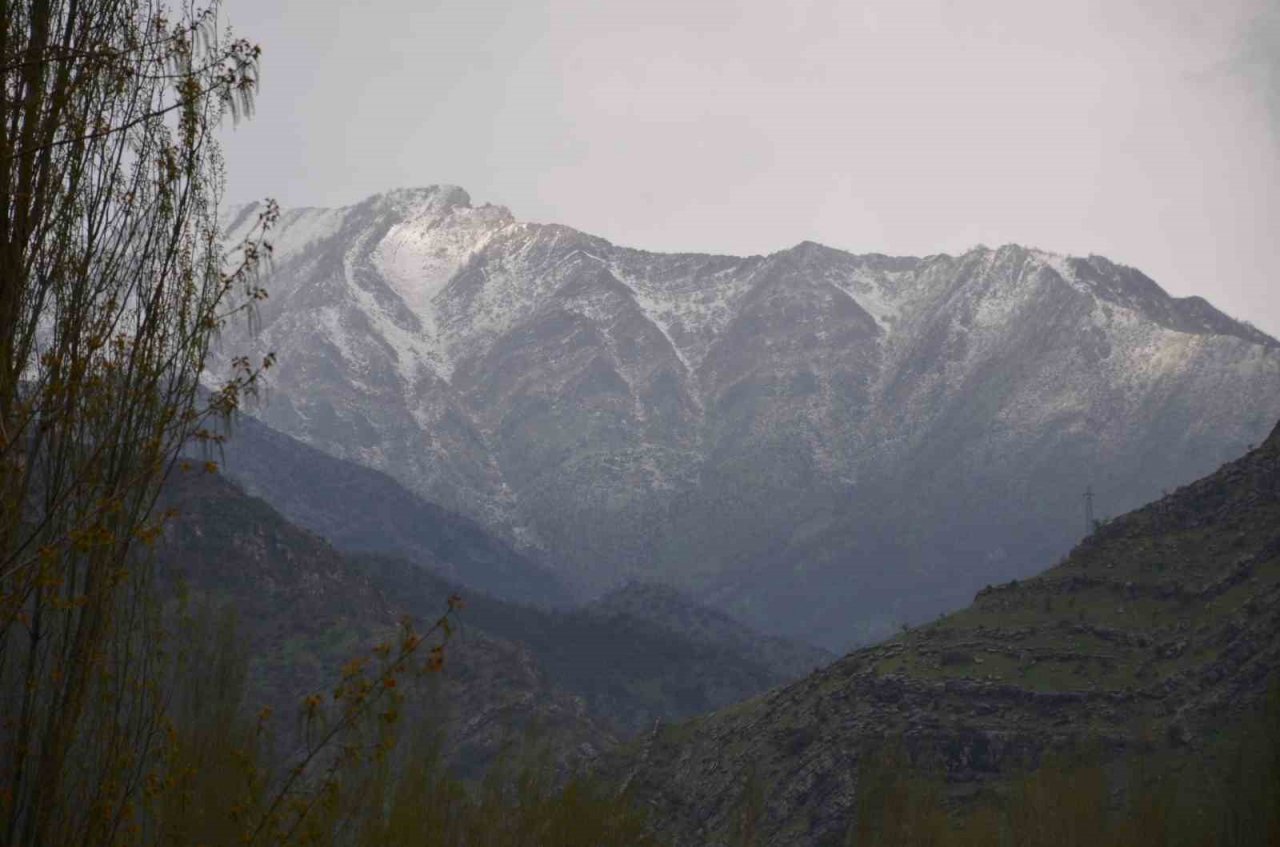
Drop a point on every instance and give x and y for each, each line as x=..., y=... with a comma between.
x=688, y=408
x=427, y=199
x=431, y=203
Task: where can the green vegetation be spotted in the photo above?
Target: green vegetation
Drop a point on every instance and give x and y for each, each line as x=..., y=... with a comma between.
x=1225, y=796
x=520, y=802
x=124, y=718
x=383, y=781
x=357, y=772
x=379, y=781
x=120, y=717
x=112, y=282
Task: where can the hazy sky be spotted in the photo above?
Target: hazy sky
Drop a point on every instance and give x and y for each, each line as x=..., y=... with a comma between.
x=1144, y=130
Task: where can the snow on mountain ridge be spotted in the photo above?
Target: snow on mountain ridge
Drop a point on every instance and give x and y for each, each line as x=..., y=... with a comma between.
x=690, y=316
x=419, y=255
x=703, y=418
x=438, y=231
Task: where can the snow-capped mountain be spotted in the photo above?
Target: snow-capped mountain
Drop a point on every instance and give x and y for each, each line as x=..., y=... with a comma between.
x=826, y=444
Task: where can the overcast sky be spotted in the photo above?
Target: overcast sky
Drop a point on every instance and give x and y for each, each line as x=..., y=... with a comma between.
x=1144, y=130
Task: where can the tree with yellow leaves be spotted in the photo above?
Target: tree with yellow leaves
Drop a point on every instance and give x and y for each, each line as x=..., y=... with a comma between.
x=113, y=282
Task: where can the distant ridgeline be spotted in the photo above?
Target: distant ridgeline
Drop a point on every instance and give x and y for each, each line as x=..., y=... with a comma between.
x=578, y=679
x=823, y=444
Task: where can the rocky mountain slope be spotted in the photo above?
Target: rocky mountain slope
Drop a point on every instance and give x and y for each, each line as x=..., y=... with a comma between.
x=303, y=610
x=826, y=444
x=630, y=667
x=1163, y=627
x=361, y=510
x=666, y=609
x=580, y=677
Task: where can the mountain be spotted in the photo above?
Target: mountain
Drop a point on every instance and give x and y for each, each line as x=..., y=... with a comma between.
x=359, y=509
x=581, y=677
x=303, y=610
x=823, y=444
x=663, y=607
x=631, y=668
x=1162, y=627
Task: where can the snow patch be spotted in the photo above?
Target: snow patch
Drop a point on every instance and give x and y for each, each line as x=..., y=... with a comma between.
x=420, y=255
x=299, y=229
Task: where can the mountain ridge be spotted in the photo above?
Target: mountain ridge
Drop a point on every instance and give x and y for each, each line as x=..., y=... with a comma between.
x=1158, y=631
x=239, y=217
x=582, y=677
x=432, y=204
x=749, y=427
x=361, y=510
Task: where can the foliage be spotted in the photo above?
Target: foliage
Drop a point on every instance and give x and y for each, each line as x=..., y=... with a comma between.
x=1225, y=796
x=520, y=802
x=112, y=283
x=216, y=785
